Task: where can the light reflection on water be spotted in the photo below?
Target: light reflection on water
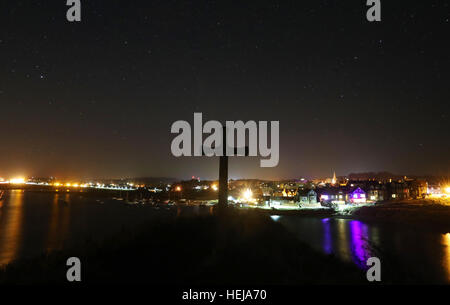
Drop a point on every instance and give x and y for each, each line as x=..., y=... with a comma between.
x=58, y=223
x=33, y=223
x=424, y=253
x=327, y=241
x=342, y=241
x=359, y=242
x=348, y=239
x=446, y=257
x=275, y=217
x=10, y=226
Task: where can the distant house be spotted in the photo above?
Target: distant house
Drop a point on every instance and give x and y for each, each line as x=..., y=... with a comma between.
x=357, y=196
x=332, y=195
x=285, y=192
x=307, y=196
x=373, y=191
x=407, y=189
x=342, y=195
x=434, y=189
x=376, y=191
x=398, y=190
x=417, y=188
x=266, y=190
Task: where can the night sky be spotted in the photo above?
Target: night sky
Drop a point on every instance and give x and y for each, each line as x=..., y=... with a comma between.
x=97, y=98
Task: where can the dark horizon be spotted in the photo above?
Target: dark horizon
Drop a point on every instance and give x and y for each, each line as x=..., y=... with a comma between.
x=97, y=98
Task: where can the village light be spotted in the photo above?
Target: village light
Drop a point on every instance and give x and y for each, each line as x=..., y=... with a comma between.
x=247, y=194
x=17, y=181
x=214, y=187
x=447, y=189
x=178, y=189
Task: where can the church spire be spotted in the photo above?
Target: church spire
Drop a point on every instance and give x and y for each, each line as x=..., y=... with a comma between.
x=333, y=181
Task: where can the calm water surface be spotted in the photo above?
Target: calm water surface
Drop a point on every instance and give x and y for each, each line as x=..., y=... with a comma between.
x=32, y=223
x=422, y=253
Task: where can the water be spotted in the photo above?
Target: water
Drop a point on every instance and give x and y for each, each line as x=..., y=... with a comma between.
x=422, y=253
x=32, y=223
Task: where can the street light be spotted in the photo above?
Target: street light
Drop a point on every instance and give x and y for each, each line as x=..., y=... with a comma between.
x=247, y=194
x=17, y=181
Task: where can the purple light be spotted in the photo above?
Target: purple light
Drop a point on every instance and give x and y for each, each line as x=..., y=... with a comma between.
x=327, y=241
x=359, y=246
x=358, y=194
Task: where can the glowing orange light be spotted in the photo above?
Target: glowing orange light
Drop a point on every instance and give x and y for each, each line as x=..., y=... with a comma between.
x=247, y=194
x=178, y=188
x=17, y=181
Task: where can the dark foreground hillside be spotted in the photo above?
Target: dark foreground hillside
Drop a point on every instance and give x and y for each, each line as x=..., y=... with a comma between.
x=232, y=249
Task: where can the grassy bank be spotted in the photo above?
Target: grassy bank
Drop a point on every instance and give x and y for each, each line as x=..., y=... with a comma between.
x=237, y=248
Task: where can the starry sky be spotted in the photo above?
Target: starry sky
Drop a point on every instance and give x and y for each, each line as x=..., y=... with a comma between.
x=97, y=98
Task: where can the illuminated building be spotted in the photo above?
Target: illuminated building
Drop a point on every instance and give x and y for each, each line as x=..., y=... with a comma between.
x=357, y=196
x=307, y=196
x=342, y=195
x=375, y=191
x=289, y=192
x=332, y=195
